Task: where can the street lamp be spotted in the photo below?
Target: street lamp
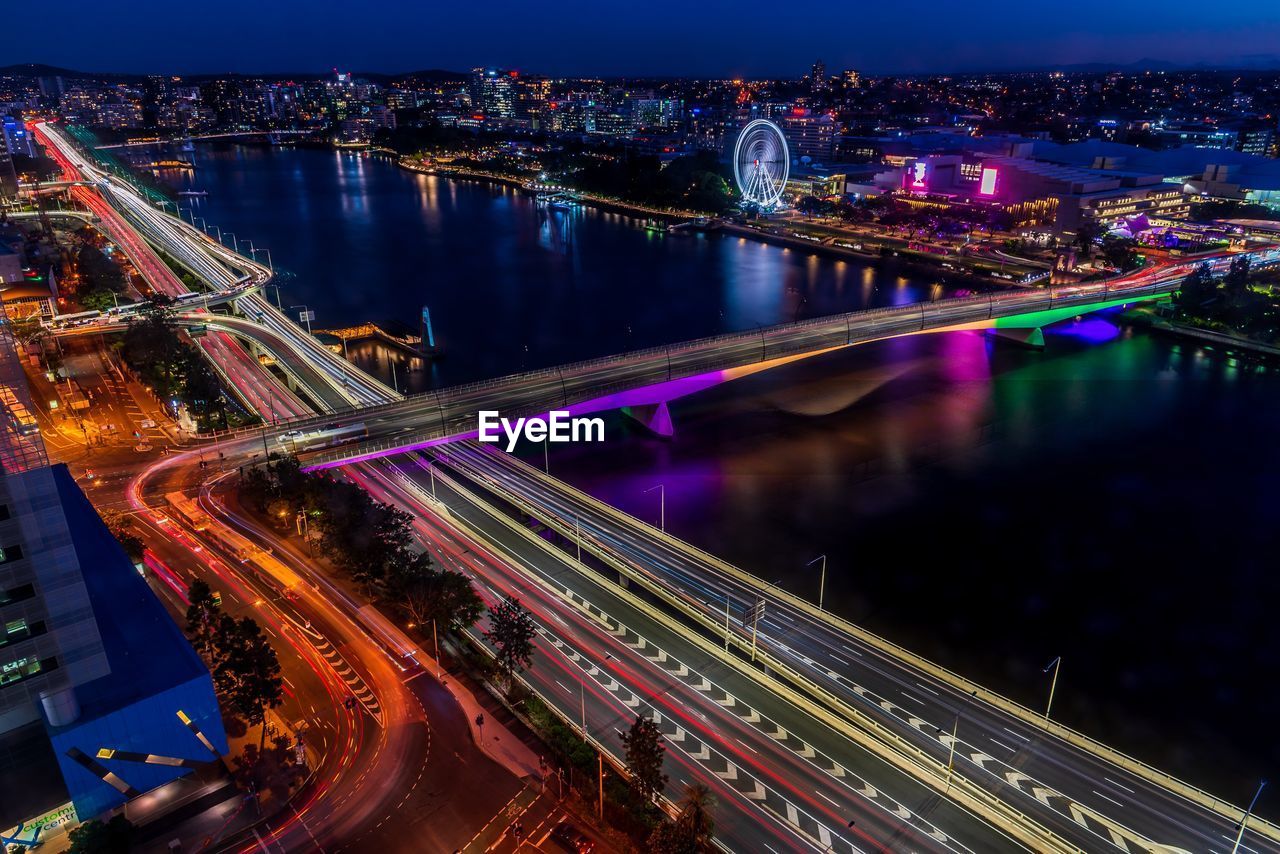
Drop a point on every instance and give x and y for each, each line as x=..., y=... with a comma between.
x=203, y=227
x=662, y=505
x=219, y=230
x=1245, y=820
x=1054, y=665
x=235, y=245
x=822, y=583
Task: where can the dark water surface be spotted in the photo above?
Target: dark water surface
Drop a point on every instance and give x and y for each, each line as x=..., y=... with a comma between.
x=510, y=284
x=1112, y=499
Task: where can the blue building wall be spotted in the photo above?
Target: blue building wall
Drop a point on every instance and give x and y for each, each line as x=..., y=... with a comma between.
x=154, y=675
x=151, y=725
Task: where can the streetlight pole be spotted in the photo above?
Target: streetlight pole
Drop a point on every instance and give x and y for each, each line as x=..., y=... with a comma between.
x=235, y=244
x=726, y=620
x=306, y=315
x=1056, y=665
x=662, y=505
x=951, y=760
x=1245, y=820
x=219, y=230
x=822, y=583
x=436, y=640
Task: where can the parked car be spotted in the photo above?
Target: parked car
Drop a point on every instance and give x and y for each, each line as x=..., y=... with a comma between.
x=573, y=839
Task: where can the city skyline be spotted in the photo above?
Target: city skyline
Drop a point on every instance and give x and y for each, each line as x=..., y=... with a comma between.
x=715, y=42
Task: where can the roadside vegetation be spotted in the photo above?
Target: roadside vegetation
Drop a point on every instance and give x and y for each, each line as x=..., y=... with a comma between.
x=368, y=541
x=174, y=369
x=1242, y=301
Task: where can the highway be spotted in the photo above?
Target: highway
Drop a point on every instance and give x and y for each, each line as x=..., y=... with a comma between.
x=782, y=784
x=239, y=371
x=331, y=381
x=1085, y=798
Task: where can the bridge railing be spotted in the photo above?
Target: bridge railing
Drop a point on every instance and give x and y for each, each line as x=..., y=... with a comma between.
x=708, y=352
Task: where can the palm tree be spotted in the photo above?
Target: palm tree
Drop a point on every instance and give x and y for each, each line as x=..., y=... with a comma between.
x=695, y=816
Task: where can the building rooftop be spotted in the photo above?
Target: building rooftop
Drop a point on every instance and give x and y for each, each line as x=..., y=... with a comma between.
x=134, y=624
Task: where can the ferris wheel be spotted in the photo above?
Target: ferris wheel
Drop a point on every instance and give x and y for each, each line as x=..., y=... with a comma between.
x=761, y=163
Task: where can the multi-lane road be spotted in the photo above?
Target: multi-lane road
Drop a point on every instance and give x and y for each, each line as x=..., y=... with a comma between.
x=1079, y=792
x=330, y=381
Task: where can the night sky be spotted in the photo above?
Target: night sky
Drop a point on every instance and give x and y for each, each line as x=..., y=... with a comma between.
x=611, y=38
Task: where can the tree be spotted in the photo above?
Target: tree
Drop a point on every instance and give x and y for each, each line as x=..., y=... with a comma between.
x=122, y=530
x=99, y=837
x=1087, y=235
x=645, y=750
x=692, y=830
x=1236, y=281
x=273, y=769
x=428, y=595
x=203, y=617
x=1119, y=252
x=1197, y=289
x=511, y=631
x=247, y=671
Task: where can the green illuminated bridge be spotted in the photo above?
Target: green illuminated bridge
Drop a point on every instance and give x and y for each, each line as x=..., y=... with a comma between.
x=644, y=381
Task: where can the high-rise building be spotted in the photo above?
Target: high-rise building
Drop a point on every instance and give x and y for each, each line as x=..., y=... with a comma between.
x=16, y=138
x=818, y=81
x=492, y=92
x=810, y=134
x=852, y=80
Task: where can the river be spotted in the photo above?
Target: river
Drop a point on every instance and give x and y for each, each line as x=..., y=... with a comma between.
x=1111, y=499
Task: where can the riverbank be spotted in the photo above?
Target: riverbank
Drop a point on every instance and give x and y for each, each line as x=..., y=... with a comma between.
x=896, y=258
x=908, y=261
x=1148, y=319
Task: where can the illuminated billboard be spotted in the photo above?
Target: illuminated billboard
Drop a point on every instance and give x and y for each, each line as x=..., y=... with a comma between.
x=919, y=171
x=987, y=184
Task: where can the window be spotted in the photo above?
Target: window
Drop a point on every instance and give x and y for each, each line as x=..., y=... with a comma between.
x=17, y=594
x=10, y=553
x=19, y=630
x=4, y=512
x=23, y=668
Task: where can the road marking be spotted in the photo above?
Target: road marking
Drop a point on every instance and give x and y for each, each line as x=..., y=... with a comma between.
x=1005, y=746
x=930, y=690
x=1119, y=785
x=1243, y=847
x=825, y=798
x=1015, y=734
x=914, y=699
x=1113, y=800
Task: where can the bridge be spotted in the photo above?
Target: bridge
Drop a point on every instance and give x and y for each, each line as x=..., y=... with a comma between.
x=141, y=143
x=645, y=381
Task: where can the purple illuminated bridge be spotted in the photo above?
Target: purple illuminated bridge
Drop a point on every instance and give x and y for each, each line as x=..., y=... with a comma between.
x=644, y=381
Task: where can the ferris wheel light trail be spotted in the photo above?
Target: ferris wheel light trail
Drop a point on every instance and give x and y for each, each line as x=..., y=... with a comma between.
x=761, y=163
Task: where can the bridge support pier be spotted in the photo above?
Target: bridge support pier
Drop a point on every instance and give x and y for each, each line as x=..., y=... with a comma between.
x=654, y=417
x=1032, y=337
